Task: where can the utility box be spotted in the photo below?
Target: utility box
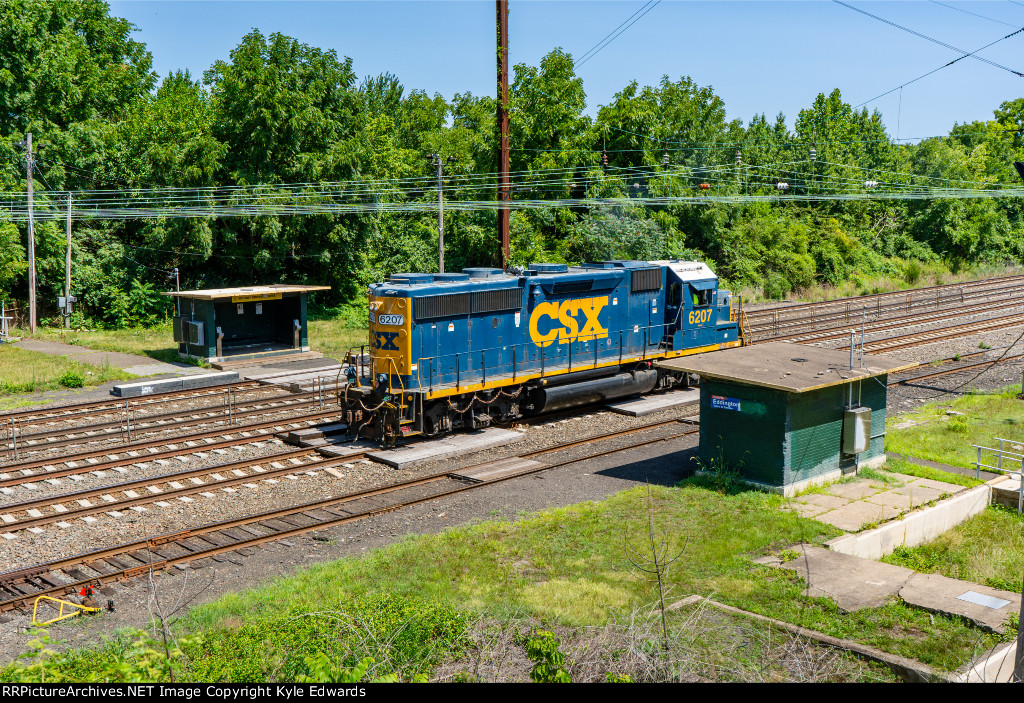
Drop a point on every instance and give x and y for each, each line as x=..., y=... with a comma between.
x=229, y=324
x=789, y=416
x=856, y=430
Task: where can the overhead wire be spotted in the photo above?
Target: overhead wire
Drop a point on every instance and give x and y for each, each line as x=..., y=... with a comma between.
x=927, y=38
x=594, y=51
x=968, y=12
x=936, y=70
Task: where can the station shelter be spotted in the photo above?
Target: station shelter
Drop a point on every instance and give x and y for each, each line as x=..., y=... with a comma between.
x=789, y=416
x=228, y=324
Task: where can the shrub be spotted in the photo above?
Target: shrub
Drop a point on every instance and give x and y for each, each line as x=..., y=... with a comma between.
x=912, y=274
x=72, y=378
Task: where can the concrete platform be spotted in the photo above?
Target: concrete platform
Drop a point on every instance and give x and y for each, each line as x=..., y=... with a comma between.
x=853, y=583
x=134, y=390
x=432, y=450
x=638, y=407
x=281, y=369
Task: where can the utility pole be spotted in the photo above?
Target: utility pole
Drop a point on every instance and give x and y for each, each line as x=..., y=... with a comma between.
x=504, y=191
x=31, y=239
x=436, y=160
x=67, y=270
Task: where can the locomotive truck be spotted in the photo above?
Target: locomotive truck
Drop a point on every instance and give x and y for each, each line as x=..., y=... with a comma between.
x=463, y=350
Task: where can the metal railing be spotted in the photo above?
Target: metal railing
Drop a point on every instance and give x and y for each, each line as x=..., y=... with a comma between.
x=999, y=454
x=462, y=369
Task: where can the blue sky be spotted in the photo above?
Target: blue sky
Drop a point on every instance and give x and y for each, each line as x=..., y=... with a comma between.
x=758, y=56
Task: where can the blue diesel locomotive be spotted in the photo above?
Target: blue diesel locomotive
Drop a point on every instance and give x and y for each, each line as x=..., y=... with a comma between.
x=462, y=350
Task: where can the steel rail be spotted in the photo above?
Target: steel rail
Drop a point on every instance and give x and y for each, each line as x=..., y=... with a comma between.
x=124, y=503
x=86, y=494
x=883, y=324
x=923, y=338
x=838, y=301
x=155, y=398
x=43, y=445
x=786, y=329
x=10, y=581
x=140, y=423
x=945, y=372
x=136, y=446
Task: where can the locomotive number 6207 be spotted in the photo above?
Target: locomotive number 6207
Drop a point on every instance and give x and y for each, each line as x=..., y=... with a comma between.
x=698, y=317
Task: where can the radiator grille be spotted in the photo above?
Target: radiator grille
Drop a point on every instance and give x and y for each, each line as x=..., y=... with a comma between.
x=495, y=300
x=431, y=306
x=645, y=279
x=566, y=287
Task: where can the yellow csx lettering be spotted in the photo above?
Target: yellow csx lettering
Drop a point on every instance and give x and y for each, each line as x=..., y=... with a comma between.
x=698, y=317
x=566, y=313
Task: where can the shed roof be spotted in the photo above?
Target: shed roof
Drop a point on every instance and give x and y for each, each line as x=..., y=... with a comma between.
x=217, y=293
x=784, y=366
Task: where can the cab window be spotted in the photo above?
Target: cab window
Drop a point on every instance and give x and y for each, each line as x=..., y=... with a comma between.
x=701, y=298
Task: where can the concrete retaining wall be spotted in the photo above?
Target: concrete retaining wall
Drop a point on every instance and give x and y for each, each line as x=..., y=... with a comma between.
x=916, y=528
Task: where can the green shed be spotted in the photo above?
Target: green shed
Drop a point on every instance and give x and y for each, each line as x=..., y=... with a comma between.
x=789, y=416
x=228, y=324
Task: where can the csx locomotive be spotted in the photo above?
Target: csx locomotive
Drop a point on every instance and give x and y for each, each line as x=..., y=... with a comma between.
x=463, y=350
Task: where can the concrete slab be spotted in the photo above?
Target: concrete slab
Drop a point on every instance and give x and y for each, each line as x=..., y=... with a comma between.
x=853, y=491
x=938, y=485
x=822, y=500
x=915, y=528
x=941, y=594
x=340, y=450
x=897, y=501
x=133, y=390
x=853, y=516
x=805, y=509
x=638, y=407
x=411, y=454
x=502, y=468
x=853, y=583
x=918, y=494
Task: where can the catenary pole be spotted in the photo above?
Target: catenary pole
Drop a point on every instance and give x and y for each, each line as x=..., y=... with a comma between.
x=504, y=194
x=31, y=238
x=440, y=215
x=67, y=267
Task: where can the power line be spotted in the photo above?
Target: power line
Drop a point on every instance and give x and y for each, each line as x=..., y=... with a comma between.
x=968, y=12
x=945, y=65
x=596, y=49
x=927, y=38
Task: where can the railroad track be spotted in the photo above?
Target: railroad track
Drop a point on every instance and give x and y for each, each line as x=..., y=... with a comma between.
x=112, y=499
x=100, y=461
x=64, y=413
x=915, y=339
x=822, y=335
x=18, y=589
x=958, y=369
x=878, y=302
x=18, y=444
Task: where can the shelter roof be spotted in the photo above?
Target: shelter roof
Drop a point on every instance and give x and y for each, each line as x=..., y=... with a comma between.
x=784, y=366
x=252, y=292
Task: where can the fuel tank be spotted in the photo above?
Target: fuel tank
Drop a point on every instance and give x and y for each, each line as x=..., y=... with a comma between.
x=596, y=391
